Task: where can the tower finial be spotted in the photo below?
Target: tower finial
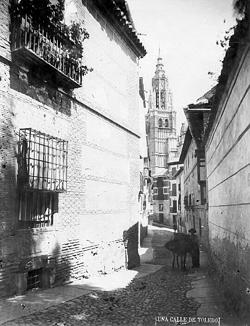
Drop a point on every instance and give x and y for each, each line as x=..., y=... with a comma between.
x=159, y=52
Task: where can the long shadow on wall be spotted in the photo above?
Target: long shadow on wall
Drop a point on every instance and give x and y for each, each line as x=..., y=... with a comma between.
x=7, y=196
x=130, y=237
x=22, y=255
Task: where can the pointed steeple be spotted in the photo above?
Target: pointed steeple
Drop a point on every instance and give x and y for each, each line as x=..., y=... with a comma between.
x=159, y=72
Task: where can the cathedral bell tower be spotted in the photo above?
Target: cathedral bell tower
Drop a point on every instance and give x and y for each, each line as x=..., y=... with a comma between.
x=162, y=121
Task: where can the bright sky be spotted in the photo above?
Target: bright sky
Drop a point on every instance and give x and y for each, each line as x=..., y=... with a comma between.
x=186, y=32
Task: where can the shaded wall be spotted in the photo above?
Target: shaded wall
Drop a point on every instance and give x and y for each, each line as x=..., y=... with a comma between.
x=228, y=173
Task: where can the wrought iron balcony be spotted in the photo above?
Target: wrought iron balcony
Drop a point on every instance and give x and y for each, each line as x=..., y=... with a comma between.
x=49, y=49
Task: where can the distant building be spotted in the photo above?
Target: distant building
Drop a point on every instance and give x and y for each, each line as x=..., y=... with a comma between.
x=194, y=170
x=180, y=218
x=162, y=142
x=162, y=123
x=145, y=193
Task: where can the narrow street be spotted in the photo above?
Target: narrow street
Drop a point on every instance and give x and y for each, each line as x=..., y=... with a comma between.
x=159, y=294
x=156, y=295
x=124, y=162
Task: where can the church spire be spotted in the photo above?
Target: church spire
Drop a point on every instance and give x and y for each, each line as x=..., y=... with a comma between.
x=159, y=72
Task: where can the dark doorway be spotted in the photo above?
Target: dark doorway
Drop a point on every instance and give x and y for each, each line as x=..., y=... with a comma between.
x=161, y=217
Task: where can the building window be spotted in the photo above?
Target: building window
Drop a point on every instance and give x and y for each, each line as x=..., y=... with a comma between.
x=37, y=208
x=174, y=170
x=157, y=99
x=161, y=207
x=42, y=174
x=203, y=194
x=165, y=190
x=186, y=201
x=34, y=279
x=160, y=123
x=190, y=200
x=42, y=161
x=174, y=189
x=163, y=99
x=155, y=191
x=174, y=206
x=166, y=123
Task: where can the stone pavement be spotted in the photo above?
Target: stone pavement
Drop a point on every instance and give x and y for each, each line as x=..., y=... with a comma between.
x=38, y=300
x=210, y=301
x=148, y=295
x=141, y=302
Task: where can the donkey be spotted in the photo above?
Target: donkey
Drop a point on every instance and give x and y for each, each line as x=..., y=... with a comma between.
x=180, y=246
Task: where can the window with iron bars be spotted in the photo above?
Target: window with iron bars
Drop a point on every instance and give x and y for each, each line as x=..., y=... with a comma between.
x=42, y=161
x=42, y=174
x=37, y=208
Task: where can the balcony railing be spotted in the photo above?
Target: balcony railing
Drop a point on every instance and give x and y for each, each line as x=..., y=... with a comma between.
x=47, y=47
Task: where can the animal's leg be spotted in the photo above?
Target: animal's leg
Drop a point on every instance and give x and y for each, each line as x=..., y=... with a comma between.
x=173, y=261
x=181, y=261
x=184, y=261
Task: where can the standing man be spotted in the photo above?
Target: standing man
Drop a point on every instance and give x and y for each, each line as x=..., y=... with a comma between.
x=196, y=250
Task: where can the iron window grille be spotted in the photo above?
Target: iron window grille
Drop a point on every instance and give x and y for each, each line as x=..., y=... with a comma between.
x=34, y=279
x=37, y=208
x=42, y=161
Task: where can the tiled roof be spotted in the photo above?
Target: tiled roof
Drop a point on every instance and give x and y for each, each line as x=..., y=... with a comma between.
x=117, y=12
x=185, y=147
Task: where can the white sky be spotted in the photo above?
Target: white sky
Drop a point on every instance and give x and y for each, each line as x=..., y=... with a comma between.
x=186, y=32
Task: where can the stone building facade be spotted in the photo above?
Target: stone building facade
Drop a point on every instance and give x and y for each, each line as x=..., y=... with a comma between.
x=228, y=171
x=180, y=216
x=194, y=199
x=162, y=122
x=194, y=168
x=145, y=193
x=162, y=142
x=69, y=148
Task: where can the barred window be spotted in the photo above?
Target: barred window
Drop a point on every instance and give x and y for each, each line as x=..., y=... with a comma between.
x=42, y=161
x=42, y=174
x=37, y=208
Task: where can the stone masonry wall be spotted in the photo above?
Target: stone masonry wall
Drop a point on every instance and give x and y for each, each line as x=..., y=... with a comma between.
x=86, y=237
x=196, y=213
x=228, y=173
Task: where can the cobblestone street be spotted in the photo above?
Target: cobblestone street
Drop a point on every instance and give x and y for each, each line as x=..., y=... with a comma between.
x=162, y=293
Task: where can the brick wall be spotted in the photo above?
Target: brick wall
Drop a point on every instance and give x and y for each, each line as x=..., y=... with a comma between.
x=103, y=163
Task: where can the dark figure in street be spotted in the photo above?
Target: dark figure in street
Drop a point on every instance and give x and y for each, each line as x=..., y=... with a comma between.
x=181, y=245
x=177, y=251
x=196, y=250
